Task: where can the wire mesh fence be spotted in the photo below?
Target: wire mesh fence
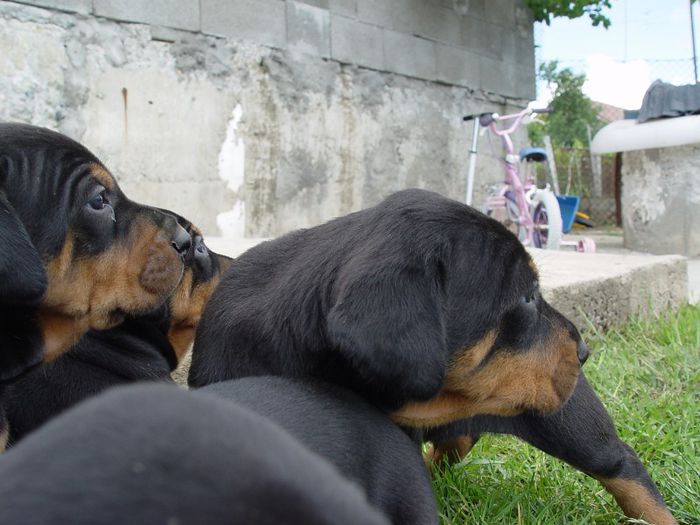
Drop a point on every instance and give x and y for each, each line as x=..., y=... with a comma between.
x=576, y=174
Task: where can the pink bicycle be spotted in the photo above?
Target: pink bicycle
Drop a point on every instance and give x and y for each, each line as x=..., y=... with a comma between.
x=530, y=212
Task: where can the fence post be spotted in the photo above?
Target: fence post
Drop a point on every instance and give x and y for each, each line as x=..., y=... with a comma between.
x=596, y=169
x=552, y=165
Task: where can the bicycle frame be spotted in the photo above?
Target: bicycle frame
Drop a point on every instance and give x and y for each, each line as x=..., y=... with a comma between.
x=521, y=189
x=534, y=211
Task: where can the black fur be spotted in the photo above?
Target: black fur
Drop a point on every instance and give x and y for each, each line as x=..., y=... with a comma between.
x=358, y=439
x=378, y=301
x=156, y=454
x=136, y=350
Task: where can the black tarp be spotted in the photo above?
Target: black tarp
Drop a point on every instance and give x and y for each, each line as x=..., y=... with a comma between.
x=664, y=100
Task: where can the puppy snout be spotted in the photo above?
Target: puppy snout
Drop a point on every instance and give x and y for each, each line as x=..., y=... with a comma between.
x=181, y=241
x=582, y=352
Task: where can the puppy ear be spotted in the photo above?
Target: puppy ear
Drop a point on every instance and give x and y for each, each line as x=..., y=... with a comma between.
x=23, y=279
x=387, y=322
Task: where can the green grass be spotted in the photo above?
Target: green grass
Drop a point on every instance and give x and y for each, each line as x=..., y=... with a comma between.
x=648, y=377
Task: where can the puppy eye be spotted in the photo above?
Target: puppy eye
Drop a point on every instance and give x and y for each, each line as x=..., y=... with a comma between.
x=199, y=248
x=528, y=298
x=98, y=202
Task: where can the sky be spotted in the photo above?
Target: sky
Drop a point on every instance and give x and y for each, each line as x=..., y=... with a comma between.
x=648, y=39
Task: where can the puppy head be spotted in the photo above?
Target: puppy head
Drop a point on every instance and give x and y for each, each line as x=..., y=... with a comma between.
x=203, y=271
x=440, y=314
x=94, y=255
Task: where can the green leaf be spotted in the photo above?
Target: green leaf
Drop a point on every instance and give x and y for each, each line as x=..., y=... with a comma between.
x=545, y=10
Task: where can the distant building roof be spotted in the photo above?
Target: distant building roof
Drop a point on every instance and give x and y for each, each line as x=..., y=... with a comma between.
x=666, y=100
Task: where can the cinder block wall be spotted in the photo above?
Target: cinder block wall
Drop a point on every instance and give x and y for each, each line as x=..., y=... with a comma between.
x=260, y=116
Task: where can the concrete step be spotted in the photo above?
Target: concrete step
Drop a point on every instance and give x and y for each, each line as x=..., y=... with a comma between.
x=604, y=289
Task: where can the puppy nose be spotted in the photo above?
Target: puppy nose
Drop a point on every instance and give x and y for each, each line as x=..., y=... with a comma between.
x=181, y=241
x=583, y=352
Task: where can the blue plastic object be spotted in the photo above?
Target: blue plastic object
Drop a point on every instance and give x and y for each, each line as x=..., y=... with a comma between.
x=568, y=204
x=533, y=154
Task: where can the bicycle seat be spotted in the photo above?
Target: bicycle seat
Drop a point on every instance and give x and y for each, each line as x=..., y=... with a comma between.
x=533, y=154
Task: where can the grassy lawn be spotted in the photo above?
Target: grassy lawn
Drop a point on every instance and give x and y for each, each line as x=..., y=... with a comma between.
x=648, y=376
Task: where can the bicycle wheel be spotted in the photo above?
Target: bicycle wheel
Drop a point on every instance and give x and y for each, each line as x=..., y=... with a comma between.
x=547, y=220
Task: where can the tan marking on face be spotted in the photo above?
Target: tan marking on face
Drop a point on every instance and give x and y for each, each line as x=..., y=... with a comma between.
x=471, y=357
x=133, y=276
x=533, y=267
x=60, y=332
x=540, y=379
x=224, y=263
x=454, y=450
x=187, y=305
x=194, y=231
x=4, y=437
x=103, y=176
x=637, y=502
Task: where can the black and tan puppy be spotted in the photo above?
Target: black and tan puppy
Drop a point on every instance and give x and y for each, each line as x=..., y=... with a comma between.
x=142, y=348
x=156, y=454
x=422, y=305
x=76, y=252
x=358, y=439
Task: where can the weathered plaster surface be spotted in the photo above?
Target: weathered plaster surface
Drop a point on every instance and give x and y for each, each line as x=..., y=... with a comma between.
x=661, y=200
x=313, y=138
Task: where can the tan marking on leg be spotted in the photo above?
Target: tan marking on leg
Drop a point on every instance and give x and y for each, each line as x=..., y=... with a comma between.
x=637, y=502
x=454, y=450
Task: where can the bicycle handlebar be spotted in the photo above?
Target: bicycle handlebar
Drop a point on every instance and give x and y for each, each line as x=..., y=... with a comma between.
x=465, y=118
x=486, y=119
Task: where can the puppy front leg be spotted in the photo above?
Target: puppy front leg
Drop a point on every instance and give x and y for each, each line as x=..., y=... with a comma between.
x=454, y=450
x=583, y=434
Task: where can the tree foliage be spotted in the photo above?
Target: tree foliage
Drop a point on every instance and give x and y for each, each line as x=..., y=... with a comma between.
x=573, y=113
x=545, y=10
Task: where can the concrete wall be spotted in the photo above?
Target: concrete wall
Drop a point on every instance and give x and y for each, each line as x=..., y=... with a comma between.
x=260, y=116
x=661, y=200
